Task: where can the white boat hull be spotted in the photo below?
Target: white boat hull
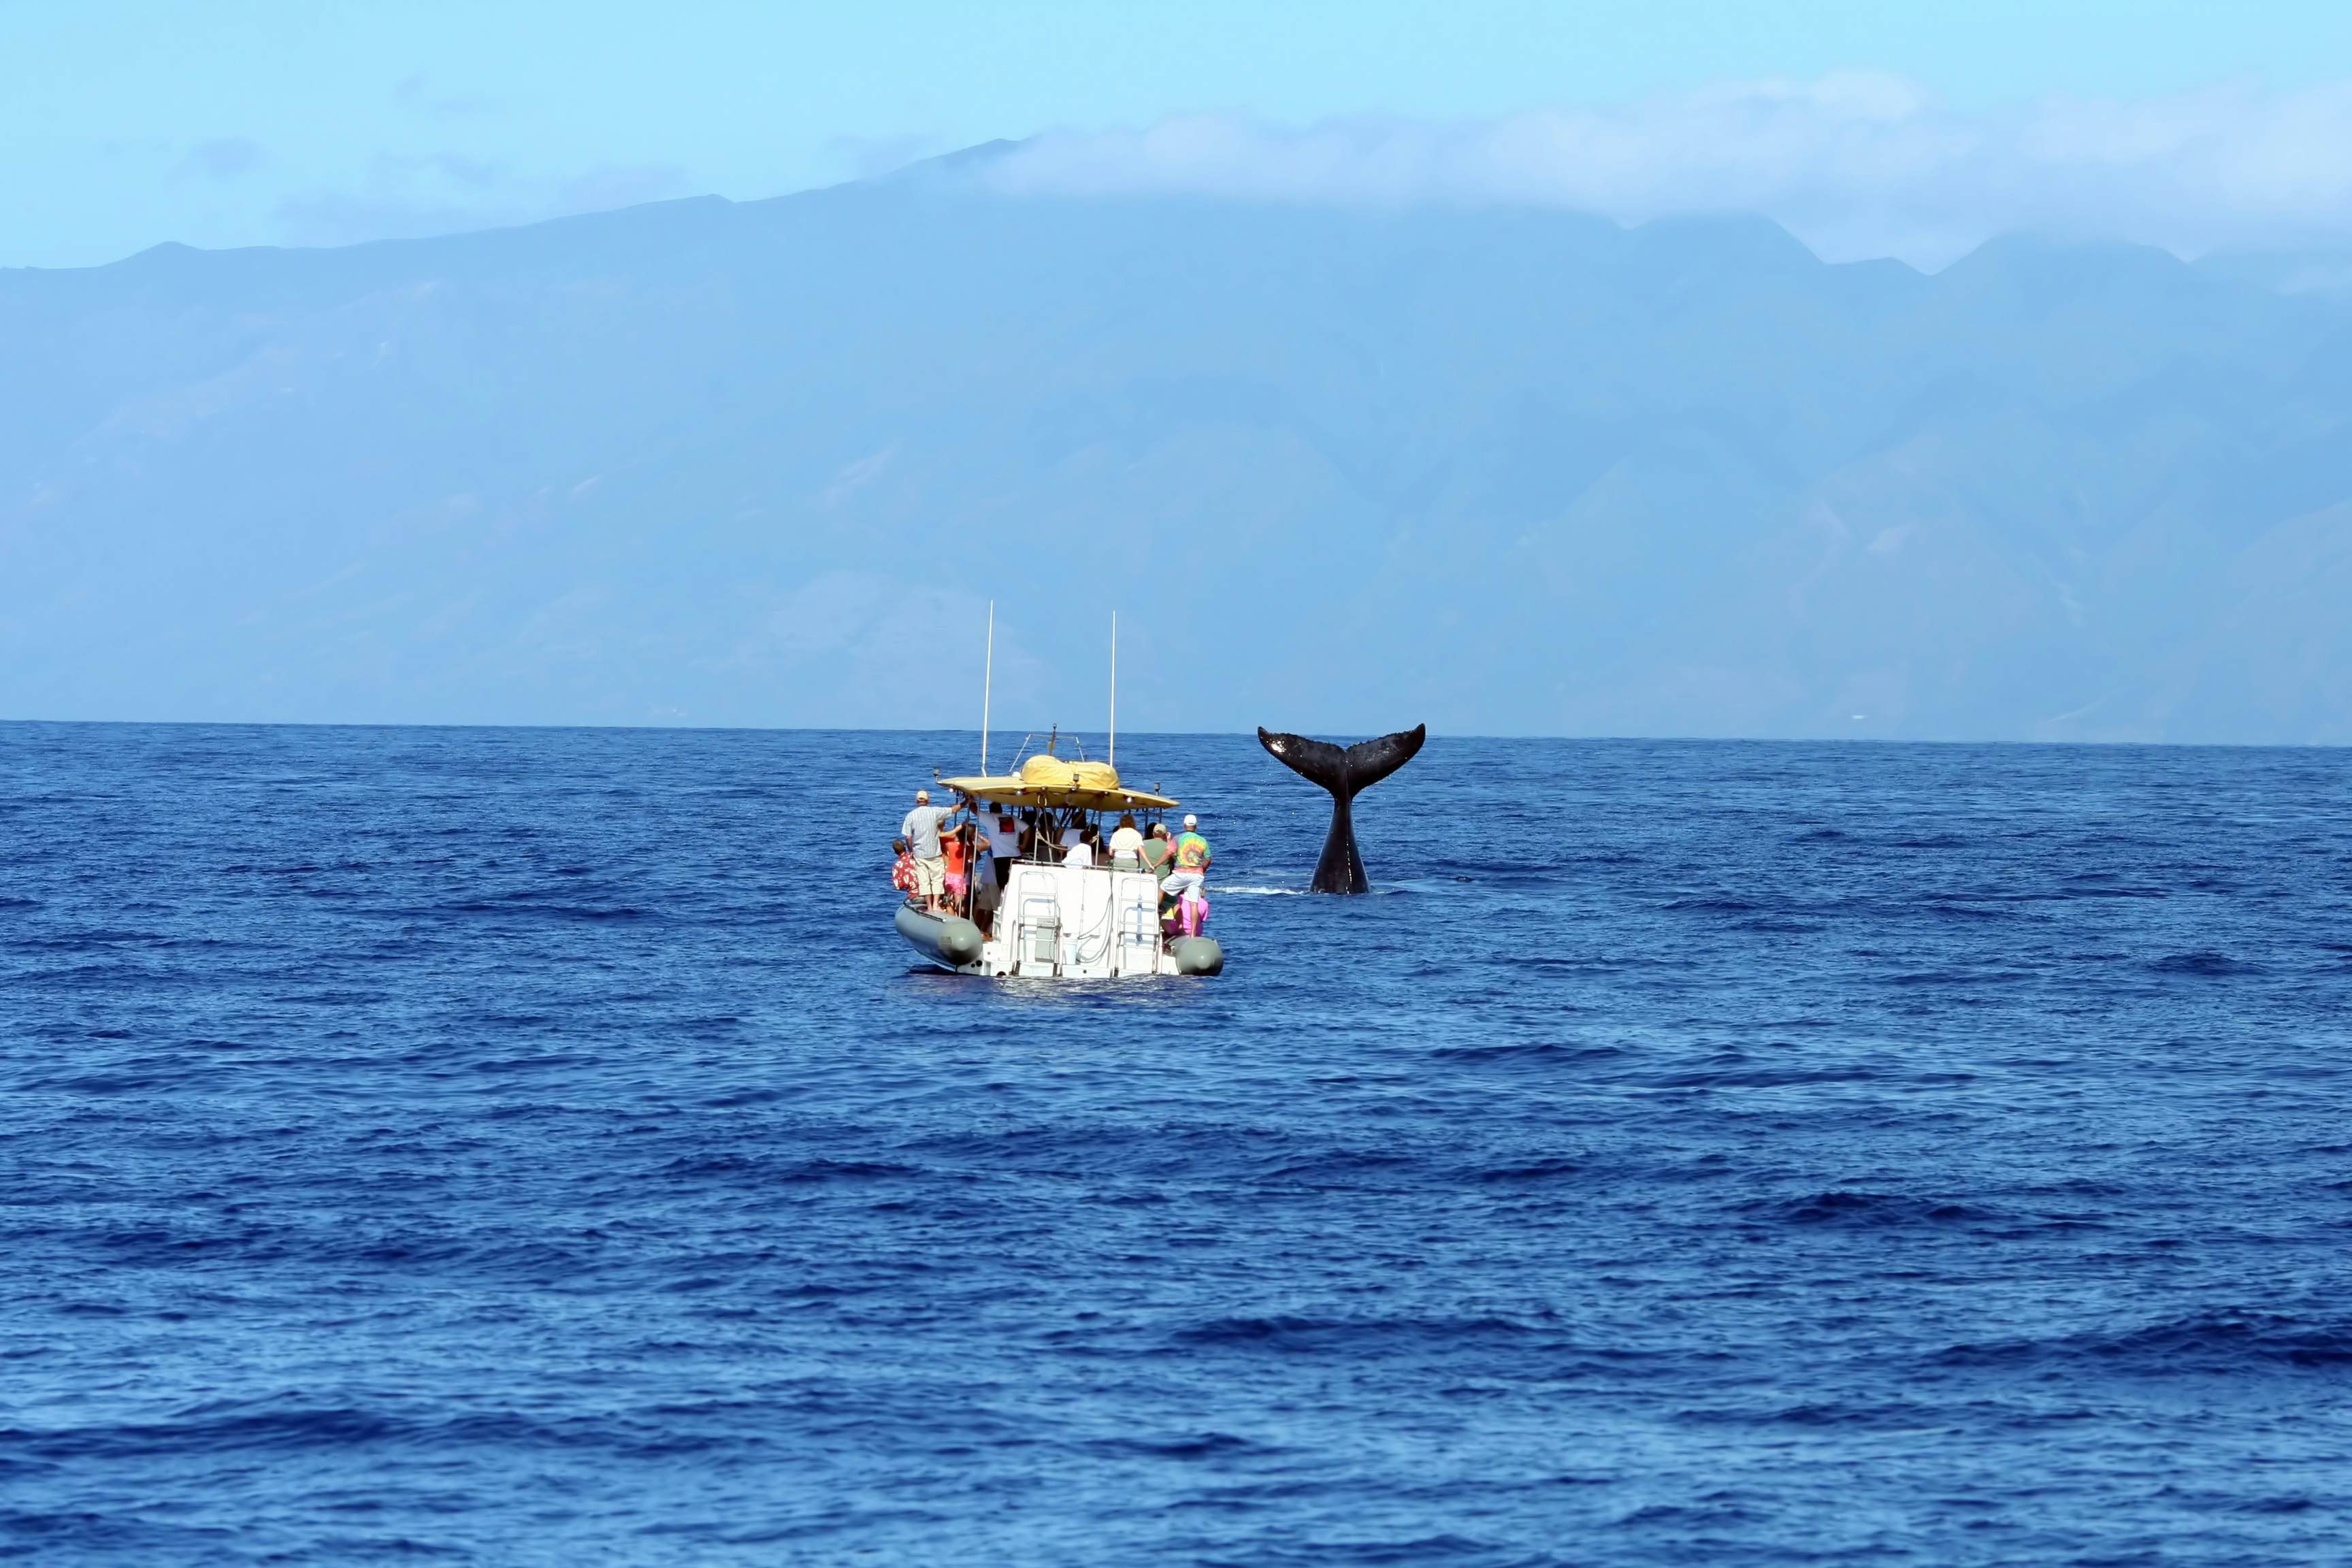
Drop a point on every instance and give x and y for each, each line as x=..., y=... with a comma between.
x=1067, y=922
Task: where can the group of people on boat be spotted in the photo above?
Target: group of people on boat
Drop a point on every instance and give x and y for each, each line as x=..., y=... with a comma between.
x=951, y=867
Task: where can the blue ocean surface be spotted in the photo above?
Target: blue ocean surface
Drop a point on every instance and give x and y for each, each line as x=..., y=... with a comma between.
x=536, y=1147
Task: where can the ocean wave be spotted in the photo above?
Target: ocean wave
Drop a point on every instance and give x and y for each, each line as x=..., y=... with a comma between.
x=2204, y=961
x=2219, y=1342
x=1867, y=1210
x=1309, y=1334
x=1198, y=1446
x=1525, y=1051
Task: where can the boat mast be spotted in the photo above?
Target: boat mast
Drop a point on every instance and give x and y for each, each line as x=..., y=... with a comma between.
x=1113, y=758
x=987, y=681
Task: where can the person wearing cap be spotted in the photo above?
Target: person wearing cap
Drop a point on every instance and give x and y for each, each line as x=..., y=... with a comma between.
x=1159, y=856
x=921, y=832
x=1192, y=873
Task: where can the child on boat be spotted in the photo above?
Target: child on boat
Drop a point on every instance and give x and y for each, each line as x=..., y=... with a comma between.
x=957, y=847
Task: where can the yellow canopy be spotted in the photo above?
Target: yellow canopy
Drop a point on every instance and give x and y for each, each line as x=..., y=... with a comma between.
x=1061, y=782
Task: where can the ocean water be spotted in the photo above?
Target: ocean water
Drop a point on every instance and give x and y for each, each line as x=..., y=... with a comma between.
x=535, y=1147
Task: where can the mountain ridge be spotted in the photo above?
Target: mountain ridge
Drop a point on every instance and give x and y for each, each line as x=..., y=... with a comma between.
x=1523, y=471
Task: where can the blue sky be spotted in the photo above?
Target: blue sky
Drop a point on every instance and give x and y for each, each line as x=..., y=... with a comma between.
x=123, y=125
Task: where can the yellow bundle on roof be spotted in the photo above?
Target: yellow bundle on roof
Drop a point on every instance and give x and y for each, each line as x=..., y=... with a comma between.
x=1056, y=772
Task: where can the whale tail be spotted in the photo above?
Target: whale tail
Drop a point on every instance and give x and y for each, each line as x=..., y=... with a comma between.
x=1344, y=770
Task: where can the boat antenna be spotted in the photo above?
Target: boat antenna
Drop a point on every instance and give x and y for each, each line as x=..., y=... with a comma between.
x=1113, y=758
x=987, y=683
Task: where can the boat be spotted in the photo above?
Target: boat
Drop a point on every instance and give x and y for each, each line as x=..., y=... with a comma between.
x=1055, y=920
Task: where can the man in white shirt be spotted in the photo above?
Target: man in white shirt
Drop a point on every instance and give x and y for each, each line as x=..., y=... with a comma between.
x=1079, y=852
x=1005, y=844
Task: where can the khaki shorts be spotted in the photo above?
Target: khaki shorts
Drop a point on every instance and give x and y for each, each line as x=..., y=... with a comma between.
x=931, y=877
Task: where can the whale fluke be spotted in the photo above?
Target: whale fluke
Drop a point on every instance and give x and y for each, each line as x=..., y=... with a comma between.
x=1343, y=771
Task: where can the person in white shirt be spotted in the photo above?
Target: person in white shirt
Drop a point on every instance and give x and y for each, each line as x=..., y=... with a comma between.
x=1080, y=853
x=1125, y=846
x=1005, y=845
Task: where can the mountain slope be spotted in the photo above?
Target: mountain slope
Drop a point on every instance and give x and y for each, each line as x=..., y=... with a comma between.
x=1505, y=470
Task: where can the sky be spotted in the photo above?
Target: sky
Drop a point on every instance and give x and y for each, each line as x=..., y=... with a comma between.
x=1912, y=129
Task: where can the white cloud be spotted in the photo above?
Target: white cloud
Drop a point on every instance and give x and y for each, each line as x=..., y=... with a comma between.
x=418, y=94
x=1856, y=165
x=222, y=158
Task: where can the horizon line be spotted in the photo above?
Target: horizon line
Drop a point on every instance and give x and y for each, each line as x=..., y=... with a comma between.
x=1682, y=739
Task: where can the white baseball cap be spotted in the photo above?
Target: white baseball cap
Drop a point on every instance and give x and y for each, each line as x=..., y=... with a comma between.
x=921, y=795
x=1191, y=820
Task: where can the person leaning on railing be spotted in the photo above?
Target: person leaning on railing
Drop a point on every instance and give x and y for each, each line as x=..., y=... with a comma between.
x=1159, y=852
